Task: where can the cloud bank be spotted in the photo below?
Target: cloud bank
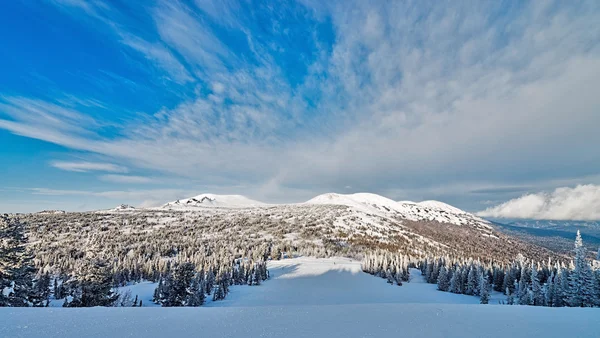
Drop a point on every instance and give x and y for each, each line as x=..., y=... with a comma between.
x=579, y=203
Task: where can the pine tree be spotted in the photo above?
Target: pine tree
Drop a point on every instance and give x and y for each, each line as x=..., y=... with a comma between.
x=596, y=289
x=443, y=281
x=510, y=299
x=536, y=289
x=549, y=290
x=524, y=294
x=92, y=284
x=176, y=290
x=455, y=281
x=484, y=292
x=580, y=279
x=16, y=267
x=196, y=296
x=41, y=291
x=472, y=281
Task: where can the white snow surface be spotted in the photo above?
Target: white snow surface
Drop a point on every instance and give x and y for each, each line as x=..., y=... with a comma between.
x=441, y=206
x=308, y=297
x=382, y=206
x=213, y=200
x=123, y=207
x=368, y=203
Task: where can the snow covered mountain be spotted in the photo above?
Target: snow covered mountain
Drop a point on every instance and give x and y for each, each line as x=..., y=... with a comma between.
x=422, y=211
x=124, y=207
x=212, y=200
x=367, y=203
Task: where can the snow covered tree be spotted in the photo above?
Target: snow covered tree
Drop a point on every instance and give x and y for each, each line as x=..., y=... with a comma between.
x=175, y=290
x=484, y=292
x=16, y=267
x=510, y=299
x=596, y=289
x=580, y=279
x=456, y=281
x=443, y=281
x=536, y=289
x=472, y=281
x=41, y=291
x=549, y=290
x=196, y=295
x=92, y=284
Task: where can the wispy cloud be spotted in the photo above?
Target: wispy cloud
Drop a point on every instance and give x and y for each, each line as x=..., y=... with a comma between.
x=83, y=166
x=132, y=196
x=579, y=203
x=126, y=179
x=418, y=94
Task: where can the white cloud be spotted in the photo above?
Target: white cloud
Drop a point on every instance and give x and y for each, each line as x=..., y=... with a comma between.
x=421, y=95
x=126, y=179
x=133, y=196
x=579, y=203
x=89, y=166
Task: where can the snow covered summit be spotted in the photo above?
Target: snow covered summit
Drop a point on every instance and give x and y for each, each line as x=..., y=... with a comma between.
x=382, y=206
x=213, y=200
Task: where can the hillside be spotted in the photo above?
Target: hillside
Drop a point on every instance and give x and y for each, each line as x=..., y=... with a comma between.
x=331, y=224
x=309, y=297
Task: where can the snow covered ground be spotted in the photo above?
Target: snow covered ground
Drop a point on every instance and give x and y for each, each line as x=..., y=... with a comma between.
x=308, y=297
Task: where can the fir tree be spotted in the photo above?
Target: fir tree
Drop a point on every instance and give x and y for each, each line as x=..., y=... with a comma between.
x=472, y=281
x=455, y=281
x=536, y=289
x=484, y=292
x=93, y=281
x=41, y=291
x=510, y=300
x=580, y=279
x=443, y=281
x=16, y=267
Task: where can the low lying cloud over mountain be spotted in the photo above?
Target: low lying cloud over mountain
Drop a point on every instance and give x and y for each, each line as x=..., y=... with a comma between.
x=579, y=203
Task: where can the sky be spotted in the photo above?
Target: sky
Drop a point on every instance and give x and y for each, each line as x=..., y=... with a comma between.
x=474, y=103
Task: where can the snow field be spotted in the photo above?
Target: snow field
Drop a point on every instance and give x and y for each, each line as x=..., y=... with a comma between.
x=309, y=297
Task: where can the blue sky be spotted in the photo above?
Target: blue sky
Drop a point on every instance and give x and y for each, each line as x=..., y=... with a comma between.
x=472, y=103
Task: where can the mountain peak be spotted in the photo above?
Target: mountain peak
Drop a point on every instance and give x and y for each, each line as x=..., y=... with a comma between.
x=214, y=200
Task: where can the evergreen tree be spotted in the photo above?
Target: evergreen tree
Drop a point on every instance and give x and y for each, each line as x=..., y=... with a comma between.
x=549, y=290
x=472, y=281
x=16, y=267
x=510, y=299
x=92, y=284
x=580, y=279
x=484, y=293
x=455, y=281
x=596, y=289
x=196, y=296
x=176, y=290
x=41, y=291
x=524, y=295
x=443, y=281
x=536, y=289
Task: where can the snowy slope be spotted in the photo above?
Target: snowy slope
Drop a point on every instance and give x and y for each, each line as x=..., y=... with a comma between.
x=312, y=298
x=441, y=206
x=212, y=200
x=423, y=211
x=124, y=207
x=334, y=281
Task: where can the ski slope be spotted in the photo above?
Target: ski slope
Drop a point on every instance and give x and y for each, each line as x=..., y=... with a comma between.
x=308, y=297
